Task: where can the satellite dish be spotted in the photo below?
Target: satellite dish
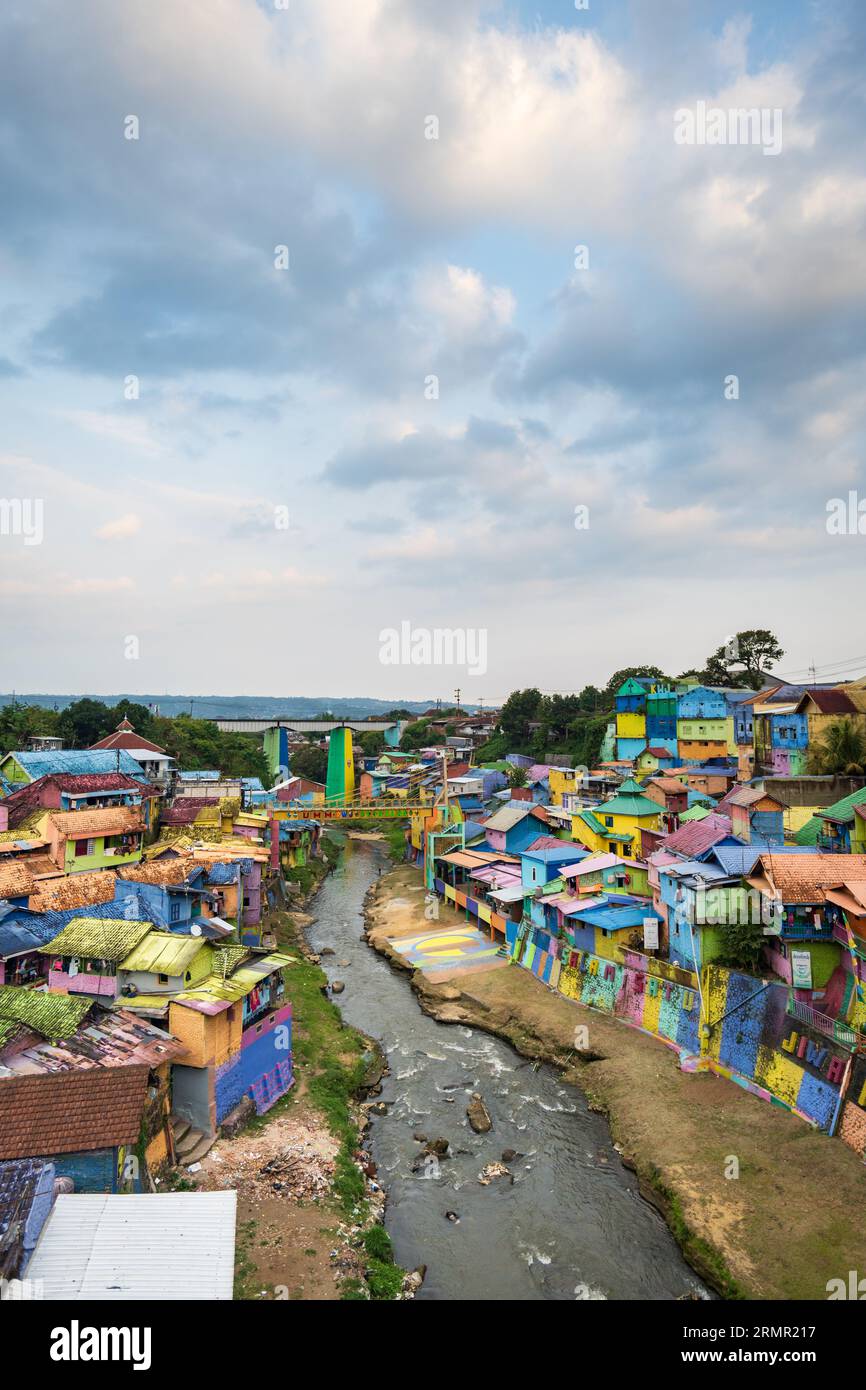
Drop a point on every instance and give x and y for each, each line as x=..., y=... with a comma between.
x=195, y=929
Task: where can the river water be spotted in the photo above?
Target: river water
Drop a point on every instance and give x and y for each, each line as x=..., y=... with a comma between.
x=572, y=1225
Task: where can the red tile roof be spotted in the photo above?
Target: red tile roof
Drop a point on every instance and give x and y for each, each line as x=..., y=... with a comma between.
x=71, y=1112
x=125, y=736
x=698, y=835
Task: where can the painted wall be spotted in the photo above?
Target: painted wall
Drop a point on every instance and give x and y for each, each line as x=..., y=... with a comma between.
x=749, y=1038
x=262, y=1068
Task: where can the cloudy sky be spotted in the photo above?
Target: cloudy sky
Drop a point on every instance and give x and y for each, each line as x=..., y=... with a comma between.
x=254, y=468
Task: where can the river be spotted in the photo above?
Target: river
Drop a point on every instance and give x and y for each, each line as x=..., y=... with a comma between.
x=571, y=1226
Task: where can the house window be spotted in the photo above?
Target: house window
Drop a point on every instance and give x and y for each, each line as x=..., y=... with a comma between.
x=84, y=847
x=608, y=820
x=162, y=979
x=174, y=912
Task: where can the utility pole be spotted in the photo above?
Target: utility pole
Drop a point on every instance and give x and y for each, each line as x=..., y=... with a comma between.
x=457, y=697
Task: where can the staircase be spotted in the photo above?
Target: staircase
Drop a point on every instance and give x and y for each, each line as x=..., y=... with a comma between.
x=190, y=1145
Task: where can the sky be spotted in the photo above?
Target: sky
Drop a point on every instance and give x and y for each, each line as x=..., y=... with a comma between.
x=298, y=349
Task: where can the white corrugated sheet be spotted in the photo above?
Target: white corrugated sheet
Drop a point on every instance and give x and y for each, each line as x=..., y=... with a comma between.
x=152, y=1246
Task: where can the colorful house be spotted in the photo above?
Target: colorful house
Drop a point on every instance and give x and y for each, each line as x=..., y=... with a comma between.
x=157, y=764
x=237, y=1029
x=86, y=841
x=91, y=1124
x=755, y=816
x=514, y=826
x=631, y=729
x=85, y=792
x=616, y=825
x=818, y=916
x=661, y=719
x=840, y=828
x=654, y=758
x=20, y=768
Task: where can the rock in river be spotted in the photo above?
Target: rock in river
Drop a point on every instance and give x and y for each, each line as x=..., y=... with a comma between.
x=478, y=1114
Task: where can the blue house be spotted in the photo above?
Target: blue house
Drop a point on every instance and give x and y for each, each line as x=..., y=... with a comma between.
x=540, y=866
x=171, y=906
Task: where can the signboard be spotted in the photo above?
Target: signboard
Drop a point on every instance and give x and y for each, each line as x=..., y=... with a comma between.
x=801, y=970
x=650, y=933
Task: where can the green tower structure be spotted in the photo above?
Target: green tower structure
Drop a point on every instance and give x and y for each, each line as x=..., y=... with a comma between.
x=341, y=767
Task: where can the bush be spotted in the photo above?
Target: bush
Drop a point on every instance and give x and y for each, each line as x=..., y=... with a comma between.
x=377, y=1244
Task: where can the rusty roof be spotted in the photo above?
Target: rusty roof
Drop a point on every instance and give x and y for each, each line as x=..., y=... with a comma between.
x=76, y=890
x=71, y=1112
x=806, y=878
x=16, y=880
x=109, y=820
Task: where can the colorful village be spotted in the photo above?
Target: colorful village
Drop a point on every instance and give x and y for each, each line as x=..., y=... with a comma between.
x=700, y=889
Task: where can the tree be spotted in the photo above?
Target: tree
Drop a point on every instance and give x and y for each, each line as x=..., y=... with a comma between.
x=372, y=743
x=842, y=750
x=138, y=715
x=518, y=712
x=741, y=945
x=417, y=735
x=744, y=659
x=517, y=776
x=310, y=762
x=590, y=699
x=84, y=722
x=18, y=722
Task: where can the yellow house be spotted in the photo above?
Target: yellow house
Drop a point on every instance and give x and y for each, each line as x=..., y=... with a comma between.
x=616, y=825
x=631, y=724
x=561, y=781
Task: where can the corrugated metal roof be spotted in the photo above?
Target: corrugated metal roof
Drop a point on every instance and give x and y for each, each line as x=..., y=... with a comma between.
x=51, y=1014
x=98, y=938
x=77, y=760
x=155, y=1246
x=163, y=953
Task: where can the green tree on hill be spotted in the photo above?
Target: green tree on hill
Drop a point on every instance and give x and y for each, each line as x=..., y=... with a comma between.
x=744, y=660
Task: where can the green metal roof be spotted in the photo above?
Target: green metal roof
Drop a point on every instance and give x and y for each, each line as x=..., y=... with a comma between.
x=808, y=833
x=97, y=937
x=695, y=813
x=164, y=953
x=595, y=825
x=843, y=810
x=216, y=989
x=51, y=1014
x=628, y=801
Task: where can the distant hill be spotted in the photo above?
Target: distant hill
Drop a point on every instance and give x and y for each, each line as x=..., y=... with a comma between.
x=242, y=706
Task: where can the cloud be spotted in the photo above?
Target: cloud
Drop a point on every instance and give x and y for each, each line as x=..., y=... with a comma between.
x=120, y=528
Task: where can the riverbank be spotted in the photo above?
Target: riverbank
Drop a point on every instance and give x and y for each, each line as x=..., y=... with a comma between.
x=782, y=1228
x=309, y=1206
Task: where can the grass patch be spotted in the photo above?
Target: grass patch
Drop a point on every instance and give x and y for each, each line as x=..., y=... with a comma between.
x=377, y=1244
x=700, y=1254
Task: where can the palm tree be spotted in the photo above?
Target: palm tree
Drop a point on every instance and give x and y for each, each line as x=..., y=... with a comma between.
x=517, y=776
x=842, y=750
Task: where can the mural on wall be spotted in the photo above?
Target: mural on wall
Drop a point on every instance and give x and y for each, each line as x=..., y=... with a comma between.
x=743, y=1034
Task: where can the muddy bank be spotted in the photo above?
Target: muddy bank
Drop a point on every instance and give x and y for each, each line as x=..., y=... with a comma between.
x=761, y=1205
